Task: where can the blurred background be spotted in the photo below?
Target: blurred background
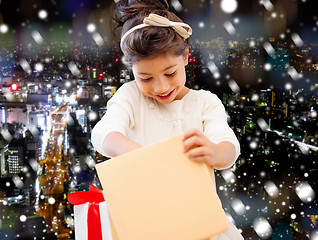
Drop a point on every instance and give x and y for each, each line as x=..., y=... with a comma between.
x=60, y=63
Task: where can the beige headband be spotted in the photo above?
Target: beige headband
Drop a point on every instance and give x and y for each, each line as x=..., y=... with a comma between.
x=159, y=21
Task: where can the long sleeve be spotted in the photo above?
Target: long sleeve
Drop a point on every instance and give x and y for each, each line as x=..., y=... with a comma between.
x=119, y=116
x=215, y=125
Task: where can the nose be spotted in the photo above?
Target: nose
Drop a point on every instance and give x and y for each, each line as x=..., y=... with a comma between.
x=161, y=86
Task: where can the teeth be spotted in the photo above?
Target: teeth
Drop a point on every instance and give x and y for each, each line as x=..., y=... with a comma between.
x=164, y=95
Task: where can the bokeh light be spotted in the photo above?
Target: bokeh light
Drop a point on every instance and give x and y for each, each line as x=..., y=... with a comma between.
x=43, y=14
x=229, y=6
x=4, y=28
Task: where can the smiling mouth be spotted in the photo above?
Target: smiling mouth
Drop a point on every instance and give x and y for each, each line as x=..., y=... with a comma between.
x=165, y=96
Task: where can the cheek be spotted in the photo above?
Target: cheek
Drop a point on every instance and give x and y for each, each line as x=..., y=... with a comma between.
x=181, y=79
x=144, y=87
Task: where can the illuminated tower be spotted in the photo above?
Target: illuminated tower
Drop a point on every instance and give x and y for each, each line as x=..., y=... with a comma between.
x=14, y=160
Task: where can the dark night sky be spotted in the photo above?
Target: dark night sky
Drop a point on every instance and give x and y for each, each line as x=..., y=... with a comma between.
x=14, y=12
x=68, y=19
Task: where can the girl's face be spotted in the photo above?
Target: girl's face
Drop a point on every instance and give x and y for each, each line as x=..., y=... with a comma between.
x=162, y=78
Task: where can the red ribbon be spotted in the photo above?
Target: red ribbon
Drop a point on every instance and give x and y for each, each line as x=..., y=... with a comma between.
x=94, y=196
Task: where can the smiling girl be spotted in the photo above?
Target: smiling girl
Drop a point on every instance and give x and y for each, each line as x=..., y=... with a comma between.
x=157, y=104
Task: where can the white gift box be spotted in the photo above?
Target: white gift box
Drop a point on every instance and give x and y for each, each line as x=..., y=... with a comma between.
x=81, y=222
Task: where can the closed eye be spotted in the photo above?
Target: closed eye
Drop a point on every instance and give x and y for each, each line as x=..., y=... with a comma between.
x=145, y=79
x=171, y=74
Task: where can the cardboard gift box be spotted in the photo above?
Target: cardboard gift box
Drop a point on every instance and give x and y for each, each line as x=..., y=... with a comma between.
x=157, y=192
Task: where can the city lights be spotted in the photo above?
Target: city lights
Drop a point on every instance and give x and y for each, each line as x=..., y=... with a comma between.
x=14, y=87
x=60, y=64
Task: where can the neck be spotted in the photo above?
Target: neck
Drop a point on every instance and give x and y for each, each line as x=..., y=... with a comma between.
x=182, y=93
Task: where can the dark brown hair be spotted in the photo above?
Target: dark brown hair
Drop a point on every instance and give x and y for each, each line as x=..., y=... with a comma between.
x=149, y=41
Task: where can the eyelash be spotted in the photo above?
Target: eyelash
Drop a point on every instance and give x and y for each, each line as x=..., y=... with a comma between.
x=167, y=75
x=171, y=74
x=145, y=80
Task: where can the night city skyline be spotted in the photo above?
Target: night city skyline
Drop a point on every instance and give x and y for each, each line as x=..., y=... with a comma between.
x=60, y=63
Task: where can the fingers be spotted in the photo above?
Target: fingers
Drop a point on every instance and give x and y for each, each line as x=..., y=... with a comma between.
x=191, y=133
x=192, y=139
x=192, y=142
x=198, y=147
x=198, y=154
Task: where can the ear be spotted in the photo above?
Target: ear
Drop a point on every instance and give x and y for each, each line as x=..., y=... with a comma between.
x=186, y=56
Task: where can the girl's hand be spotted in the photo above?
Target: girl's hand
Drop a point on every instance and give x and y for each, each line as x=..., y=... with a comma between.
x=199, y=148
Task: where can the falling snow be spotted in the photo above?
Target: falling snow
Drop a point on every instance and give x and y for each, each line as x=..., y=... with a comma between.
x=43, y=14
x=229, y=28
x=234, y=86
x=229, y=6
x=261, y=62
x=262, y=228
x=4, y=28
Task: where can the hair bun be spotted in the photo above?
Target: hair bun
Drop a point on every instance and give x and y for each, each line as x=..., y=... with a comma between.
x=128, y=9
